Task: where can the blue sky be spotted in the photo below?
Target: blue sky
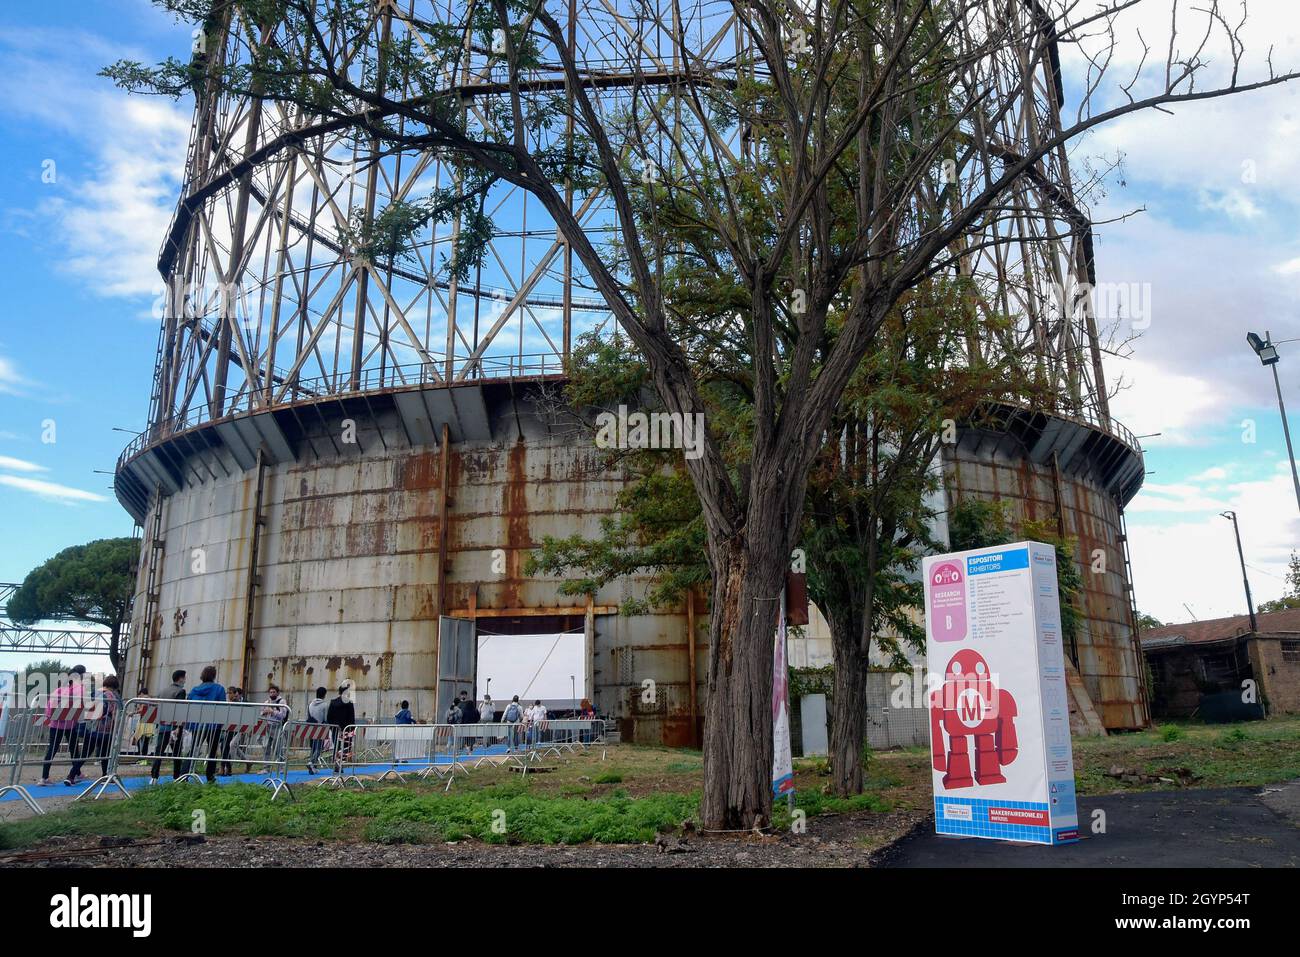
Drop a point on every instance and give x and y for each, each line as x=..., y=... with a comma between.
x=1218, y=251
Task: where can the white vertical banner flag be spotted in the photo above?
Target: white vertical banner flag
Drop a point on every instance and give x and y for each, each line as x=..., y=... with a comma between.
x=782, y=762
x=8, y=686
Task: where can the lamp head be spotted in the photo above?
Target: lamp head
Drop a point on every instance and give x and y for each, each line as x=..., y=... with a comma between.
x=1265, y=349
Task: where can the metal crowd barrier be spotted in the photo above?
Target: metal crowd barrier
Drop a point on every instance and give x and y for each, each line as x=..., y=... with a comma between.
x=77, y=720
x=391, y=750
x=310, y=744
x=567, y=734
x=14, y=742
x=210, y=734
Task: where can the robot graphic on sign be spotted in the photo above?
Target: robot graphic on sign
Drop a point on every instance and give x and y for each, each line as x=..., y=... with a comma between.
x=970, y=705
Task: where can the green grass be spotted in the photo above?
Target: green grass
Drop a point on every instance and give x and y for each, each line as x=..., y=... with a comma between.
x=637, y=792
x=1250, y=754
x=401, y=814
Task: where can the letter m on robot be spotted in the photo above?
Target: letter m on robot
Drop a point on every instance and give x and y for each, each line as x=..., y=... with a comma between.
x=969, y=705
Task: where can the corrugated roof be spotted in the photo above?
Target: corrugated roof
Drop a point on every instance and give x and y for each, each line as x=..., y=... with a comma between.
x=1218, y=629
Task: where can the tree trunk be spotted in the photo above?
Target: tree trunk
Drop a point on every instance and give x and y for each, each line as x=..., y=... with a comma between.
x=115, y=649
x=747, y=583
x=846, y=619
x=849, y=718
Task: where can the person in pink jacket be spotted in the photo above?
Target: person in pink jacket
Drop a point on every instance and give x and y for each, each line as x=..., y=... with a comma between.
x=64, y=697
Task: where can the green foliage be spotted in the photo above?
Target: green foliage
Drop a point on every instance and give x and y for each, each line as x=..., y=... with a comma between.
x=1292, y=597
x=805, y=681
x=91, y=582
x=1145, y=621
x=1069, y=578
x=978, y=523
x=658, y=526
x=48, y=667
x=1171, y=732
x=609, y=777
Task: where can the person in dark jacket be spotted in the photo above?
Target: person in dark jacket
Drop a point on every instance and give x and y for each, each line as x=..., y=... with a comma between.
x=169, y=733
x=404, y=716
x=468, y=715
x=468, y=709
x=208, y=734
x=342, y=715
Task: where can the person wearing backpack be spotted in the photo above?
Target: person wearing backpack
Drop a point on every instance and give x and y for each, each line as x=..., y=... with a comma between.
x=170, y=734
x=317, y=713
x=99, y=731
x=512, y=716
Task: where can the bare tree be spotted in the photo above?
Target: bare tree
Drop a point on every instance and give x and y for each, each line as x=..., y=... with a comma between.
x=821, y=158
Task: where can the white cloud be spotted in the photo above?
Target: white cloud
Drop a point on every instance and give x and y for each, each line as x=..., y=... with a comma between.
x=1195, y=560
x=1232, y=203
x=51, y=491
x=12, y=381
x=1243, y=142
x=118, y=159
x=20, y=465
x=1155, y=399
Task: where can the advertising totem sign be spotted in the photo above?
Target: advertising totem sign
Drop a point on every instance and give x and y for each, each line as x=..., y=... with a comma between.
x=999, y=709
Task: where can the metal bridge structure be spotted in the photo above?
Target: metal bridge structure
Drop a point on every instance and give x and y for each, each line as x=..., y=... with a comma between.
x=62, y=640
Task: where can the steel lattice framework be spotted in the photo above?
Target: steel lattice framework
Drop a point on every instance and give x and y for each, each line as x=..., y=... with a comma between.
x=271, y=302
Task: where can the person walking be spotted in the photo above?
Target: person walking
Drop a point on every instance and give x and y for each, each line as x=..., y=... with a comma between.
x=142, y=732
x=207, y=733
x=342, y=714
x=404, y=715
x=170, y=734
x=468, y=715
x=317, y=713
x=512, y=716
x=487, y=712
x=67, y=702
x=99, y=730
x=274, y=714
x=534, y=717
x=232, y=740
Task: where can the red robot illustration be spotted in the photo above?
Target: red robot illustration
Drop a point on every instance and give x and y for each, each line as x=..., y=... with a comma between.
x=970, y=705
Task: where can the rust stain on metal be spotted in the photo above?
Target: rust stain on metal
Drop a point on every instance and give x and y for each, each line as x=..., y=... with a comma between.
x=516, y=511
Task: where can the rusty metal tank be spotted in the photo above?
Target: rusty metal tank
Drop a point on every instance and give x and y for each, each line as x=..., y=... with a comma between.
x=321, y=541
x=1077, y=475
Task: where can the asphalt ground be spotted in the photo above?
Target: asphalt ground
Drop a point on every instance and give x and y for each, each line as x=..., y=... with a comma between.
x=1225, y=827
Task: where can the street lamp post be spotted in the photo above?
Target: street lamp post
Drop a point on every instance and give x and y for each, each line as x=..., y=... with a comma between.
x=1267, y=352
x=1250, y=604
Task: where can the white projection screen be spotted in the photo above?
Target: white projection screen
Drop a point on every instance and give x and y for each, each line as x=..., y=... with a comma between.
x=550, y=667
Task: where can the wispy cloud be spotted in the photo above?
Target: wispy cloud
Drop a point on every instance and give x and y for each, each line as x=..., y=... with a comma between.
x=51, y=491
x=1187, y=552
x=11, y=464
x=12, y=382
x=117, y=159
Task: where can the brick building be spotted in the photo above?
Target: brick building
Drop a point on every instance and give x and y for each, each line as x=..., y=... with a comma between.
x=1201, y=665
